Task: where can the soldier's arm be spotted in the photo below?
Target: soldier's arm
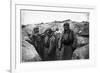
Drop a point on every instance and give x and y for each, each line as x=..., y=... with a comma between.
x=52, y=42
x=59, y=42
x=74, y=45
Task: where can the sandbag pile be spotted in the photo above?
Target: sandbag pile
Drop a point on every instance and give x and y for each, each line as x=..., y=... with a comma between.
x=82, y=50
x=29, y=52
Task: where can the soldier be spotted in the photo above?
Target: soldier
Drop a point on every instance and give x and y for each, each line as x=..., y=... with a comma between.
x=52, y=47
x=66, y=43
x=37, y=41
x=49, y=45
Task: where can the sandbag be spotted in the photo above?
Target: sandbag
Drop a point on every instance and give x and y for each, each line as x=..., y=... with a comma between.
x=29, y=52
x=81, y=53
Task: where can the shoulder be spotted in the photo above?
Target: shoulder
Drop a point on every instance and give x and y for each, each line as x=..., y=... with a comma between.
x=72, y=31
x=53, y=37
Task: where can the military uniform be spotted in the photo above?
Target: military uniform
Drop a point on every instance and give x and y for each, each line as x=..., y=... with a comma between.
x=66, y=45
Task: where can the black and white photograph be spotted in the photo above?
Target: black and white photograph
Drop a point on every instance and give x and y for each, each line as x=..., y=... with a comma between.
x=52, y=36
x=48, y=35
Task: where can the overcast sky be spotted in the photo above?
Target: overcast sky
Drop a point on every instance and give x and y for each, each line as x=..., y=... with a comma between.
x=34, y=17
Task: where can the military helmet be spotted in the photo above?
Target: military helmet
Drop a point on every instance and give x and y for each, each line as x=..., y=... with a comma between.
x=66, y=24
